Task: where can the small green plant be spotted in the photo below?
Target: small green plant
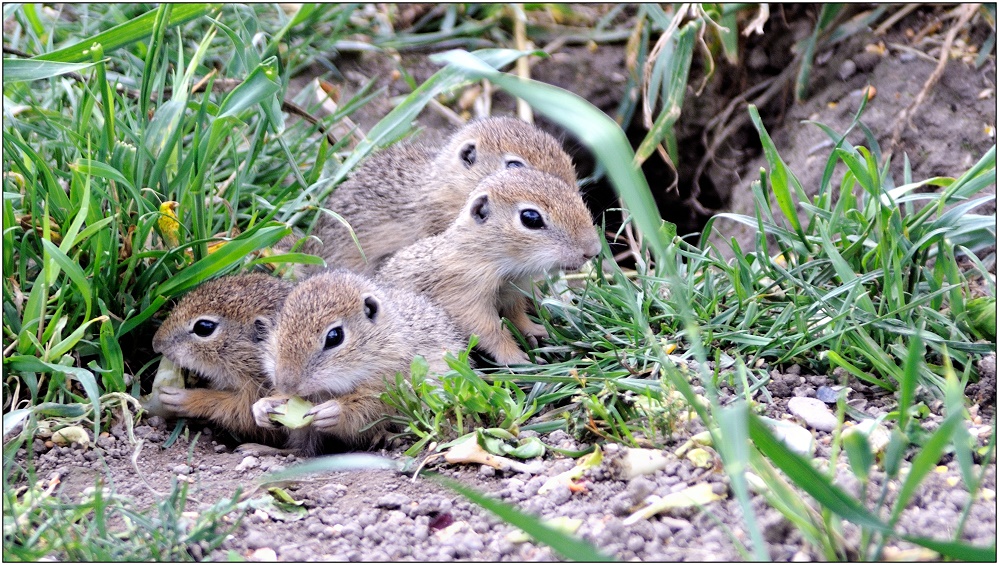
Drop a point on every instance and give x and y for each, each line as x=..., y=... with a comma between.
x=441, y=409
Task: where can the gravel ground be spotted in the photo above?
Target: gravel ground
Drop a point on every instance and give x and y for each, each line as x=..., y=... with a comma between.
x=384, y=515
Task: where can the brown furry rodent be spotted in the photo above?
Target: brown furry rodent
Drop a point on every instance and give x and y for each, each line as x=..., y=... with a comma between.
x=414, y=190
x=337, y=339
x=517, y=224
x=218, y=330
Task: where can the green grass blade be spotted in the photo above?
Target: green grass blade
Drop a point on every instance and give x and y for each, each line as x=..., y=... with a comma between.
x=126, y=33
x=99, y=169
x=829, y=12
x=332, y=463
x=24, y=70
x=956, y=550
x=114, y=361
x=74, y=271
x=735, y=457
x=910, y=377
x=225, y=257
x=801, y=472
x=28, y=363
x=782, y=180
x=259, y=86
x=674, y=63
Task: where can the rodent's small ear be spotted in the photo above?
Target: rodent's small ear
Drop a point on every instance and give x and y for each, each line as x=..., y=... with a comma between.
x=371, y=306
x=467, y=154
x=480, y=209
x=261, y=327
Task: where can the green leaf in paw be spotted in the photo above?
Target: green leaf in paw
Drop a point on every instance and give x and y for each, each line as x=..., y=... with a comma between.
x=292, y=413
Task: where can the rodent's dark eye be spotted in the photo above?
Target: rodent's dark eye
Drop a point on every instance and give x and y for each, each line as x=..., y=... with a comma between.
x=334, y=337
x=532, y=219
x=204, y=328
x=515, y=164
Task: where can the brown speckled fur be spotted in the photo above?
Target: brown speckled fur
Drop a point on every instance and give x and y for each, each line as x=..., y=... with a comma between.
x=384, y=328
x=469, y=268
x=412, y=190
x=230, y=359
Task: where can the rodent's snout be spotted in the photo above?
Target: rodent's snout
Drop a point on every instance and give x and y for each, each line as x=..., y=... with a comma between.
x=592, y=250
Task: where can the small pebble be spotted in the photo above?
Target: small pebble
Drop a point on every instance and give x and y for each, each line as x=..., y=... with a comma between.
x=367, y=518
x=219, y=449
x=814, y=412
x=639, y=488
x=847, y=69
x=560, y=494
x=264, y=554
x=635, y=543
x=182, y=469
x=373, y=533
x=255, y=539
x=248, y=462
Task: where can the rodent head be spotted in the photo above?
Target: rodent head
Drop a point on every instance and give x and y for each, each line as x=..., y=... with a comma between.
x=219, y=328
x=488, y=145
x=529, y=222
x=332, y=334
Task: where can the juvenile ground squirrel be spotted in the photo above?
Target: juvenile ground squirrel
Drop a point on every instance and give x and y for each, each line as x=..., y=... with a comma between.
x=413, y=190
x=517, y=224
x=337, y=339
x=218, y=330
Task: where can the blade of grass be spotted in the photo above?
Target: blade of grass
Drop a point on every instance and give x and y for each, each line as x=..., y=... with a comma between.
x=124, y=34
x=25, y=70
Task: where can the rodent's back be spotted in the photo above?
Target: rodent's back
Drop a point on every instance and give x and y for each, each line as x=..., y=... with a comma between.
x=377, y=201
x=411, y=191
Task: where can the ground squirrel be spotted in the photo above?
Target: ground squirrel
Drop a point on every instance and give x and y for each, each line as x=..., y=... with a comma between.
x=218, y=330
x=336, y=340
x=517, y=224
x=414, y=190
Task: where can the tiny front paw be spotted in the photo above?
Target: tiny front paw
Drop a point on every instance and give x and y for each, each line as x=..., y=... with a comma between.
x=175, y=400
x=326, y=416
x=263, y=408
x=536, y=331
x=515, y=357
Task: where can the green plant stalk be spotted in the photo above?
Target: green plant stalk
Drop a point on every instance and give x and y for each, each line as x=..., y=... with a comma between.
x=126, y=33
